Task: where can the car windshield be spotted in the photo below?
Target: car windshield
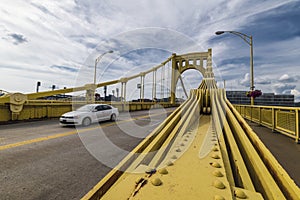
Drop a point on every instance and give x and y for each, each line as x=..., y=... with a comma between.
x=86, y=108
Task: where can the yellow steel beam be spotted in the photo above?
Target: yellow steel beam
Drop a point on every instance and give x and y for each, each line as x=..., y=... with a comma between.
x=286, y=184
x=260, y=173
x=182, y=127
x=164, y=132
x=120, y=185
x=242, y=176
x=182, y=179
x=103, y=186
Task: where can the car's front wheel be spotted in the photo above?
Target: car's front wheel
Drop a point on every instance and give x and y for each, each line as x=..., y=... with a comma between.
x=86, y=121
x=113, y=117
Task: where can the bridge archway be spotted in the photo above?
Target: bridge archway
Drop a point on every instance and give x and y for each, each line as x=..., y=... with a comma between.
x=201, y=61
x=189, y=80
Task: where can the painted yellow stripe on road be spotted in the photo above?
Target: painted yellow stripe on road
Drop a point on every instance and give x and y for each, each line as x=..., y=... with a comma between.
x=9, y=146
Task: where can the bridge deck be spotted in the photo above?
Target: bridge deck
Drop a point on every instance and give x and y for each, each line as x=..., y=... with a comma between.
x=284, y=149
x=189, y=178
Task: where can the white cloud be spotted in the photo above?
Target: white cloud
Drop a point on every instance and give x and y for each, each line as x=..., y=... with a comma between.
x=284, y=77
x=245, y=80
x=283, y=88
x=296, y=93
x=65, y=33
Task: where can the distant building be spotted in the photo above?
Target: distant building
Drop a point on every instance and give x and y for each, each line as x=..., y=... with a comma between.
x=267, y=99
x=58, y=97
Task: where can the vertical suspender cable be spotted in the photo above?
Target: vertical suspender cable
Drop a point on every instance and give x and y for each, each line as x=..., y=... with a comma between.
x=161, y=83
x=169, y=79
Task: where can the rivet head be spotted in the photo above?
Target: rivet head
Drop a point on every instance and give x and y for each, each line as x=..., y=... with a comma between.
x=174, y=157
x=218, y=173
x=185, y=140
x=219, y=184
x=215, y=149
x=215, y=164
x=182, y=144
x=215, y=156
x=163, y=171
x=178, y=150
x=156, y=182
x=169, y=163
x=240, y=194
x=218, y=197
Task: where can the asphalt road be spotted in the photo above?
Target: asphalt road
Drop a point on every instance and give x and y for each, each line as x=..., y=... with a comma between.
x=42, y=160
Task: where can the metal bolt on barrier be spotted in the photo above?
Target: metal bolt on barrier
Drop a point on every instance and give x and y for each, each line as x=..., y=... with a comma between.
x=163, y=171
x=156, y=182
x=219, y=184
x=218, y=173
x=215, y=156
x=215, y=149
x=218, y=197
x=240, y=194
x=169, y=163
x=215, y=164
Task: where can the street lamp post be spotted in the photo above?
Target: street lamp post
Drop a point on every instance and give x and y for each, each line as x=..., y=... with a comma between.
x=248, y=40
x=90, y=94
x=96, y=62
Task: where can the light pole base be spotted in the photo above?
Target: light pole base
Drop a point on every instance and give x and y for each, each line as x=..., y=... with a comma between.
x=252, y=101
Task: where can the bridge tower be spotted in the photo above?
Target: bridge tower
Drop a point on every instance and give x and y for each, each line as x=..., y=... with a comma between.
x=181, y=63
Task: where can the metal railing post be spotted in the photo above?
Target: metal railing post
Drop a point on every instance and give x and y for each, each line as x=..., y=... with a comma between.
x=297, y=125
x=251, y=117
x=273, y=120
x=259, y=115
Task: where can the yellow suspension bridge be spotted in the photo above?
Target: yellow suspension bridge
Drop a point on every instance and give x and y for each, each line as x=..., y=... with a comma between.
x=203, y=150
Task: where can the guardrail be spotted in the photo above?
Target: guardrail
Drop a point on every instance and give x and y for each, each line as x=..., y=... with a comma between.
x=38, y=109
x=284, y=120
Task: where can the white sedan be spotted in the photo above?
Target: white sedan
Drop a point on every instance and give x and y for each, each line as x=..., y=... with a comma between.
x=88, y=114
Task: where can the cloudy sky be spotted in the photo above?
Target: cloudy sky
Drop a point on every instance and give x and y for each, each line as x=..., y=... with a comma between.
x=56, y=42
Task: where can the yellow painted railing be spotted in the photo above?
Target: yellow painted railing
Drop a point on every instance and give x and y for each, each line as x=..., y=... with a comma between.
x=38, y=109
x=284, y=120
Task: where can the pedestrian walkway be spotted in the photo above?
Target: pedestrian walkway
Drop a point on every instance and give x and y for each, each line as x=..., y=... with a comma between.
x=284, y=149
